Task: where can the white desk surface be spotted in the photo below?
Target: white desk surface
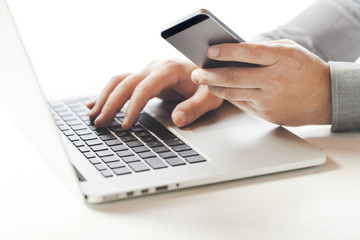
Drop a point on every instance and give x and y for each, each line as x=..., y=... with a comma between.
x=315, y=203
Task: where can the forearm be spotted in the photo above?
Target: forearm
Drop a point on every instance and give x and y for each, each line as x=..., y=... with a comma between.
x=328, y=28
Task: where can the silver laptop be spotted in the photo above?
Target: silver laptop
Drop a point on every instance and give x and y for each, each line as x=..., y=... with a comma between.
x=154, y=156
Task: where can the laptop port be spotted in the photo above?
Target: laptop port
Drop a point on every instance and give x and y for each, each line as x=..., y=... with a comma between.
x=161, y=188
x=143, y=191
x=129, y=194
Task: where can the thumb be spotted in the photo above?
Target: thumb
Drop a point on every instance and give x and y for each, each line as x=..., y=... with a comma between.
x=194, y=107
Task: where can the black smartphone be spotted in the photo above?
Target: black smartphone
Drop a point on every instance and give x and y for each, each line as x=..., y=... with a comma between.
x=194, y=34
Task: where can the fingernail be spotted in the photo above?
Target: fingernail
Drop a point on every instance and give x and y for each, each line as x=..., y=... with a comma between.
x=99, y=118
x=195, y=76
x=180, y=118
x=125, y=124
x=213, y=51
x=92, y=111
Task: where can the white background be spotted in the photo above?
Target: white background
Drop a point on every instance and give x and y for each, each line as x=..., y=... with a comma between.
x=86, y=42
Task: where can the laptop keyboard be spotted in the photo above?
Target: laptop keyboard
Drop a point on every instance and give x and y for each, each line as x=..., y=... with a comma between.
x=114, y=151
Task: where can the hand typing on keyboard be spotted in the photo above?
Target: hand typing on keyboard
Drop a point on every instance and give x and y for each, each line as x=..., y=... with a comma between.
x=169, y=80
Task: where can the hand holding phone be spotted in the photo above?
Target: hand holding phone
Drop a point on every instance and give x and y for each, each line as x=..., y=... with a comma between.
x=194, y=34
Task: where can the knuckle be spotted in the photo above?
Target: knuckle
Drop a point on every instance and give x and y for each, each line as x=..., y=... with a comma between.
x=108, y=109
x=256, y=51
x=288, y=41
x=143, y=89
x=232, y=77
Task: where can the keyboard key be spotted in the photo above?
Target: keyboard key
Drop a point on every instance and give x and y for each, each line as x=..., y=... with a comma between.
x=88, y=137
x=154, y=126
x=84, y=149
x=85, y=117
x=137, y=128
x=119, y=148
x=156, y=163
x=124, y=153
x=99, y=147
x=93, y=142
x=155, y=144
x=99, y=131
x=128, y=138
x=167, y=155
x=83, y=132
x=89, y=155
x=173, y=142
x=180, y=148
x=79, y=143
x=69, y=117
x=176, y=161
x=59, y=122
x=134, y=144
x=104, y=153
x=73, y=103
x=195, y=159
x=73, y=138
x=188, y=153
x=68, y=133
x=73, y=122
x=100, y=166
x=121, y=119
x=123, y=134
x=106, y=137
x=116, y=129
x=87, y=122
x=161, y=149
x=109, y=159
x=63, y=112
x=139, y=166
x=106, y=173
x=78, y=127
x=142, y=134
x=114, y=123
x=140, y=149
x=130, y=159
x=121, y=171
x=147, y=155
x=83, y=113
x=94, y=160
x=64, y=128
x=120, y=114
x=117, y=164
x=148, y=138
x=113, y=142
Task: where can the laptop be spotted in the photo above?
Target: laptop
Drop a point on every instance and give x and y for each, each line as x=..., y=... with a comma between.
x=102, y=165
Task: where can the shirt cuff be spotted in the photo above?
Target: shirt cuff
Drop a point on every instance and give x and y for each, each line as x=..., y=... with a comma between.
x=345, y=90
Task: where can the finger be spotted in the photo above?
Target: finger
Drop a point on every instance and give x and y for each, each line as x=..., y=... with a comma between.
x=236, y=94
x=231, y=77
x=257, y=53
x=117, y=99
x=99, y=103
x=150, y=87
x=91, y=104
x=191, y=109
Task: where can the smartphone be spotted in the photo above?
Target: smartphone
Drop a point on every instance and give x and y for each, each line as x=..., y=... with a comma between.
x=194, y=34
